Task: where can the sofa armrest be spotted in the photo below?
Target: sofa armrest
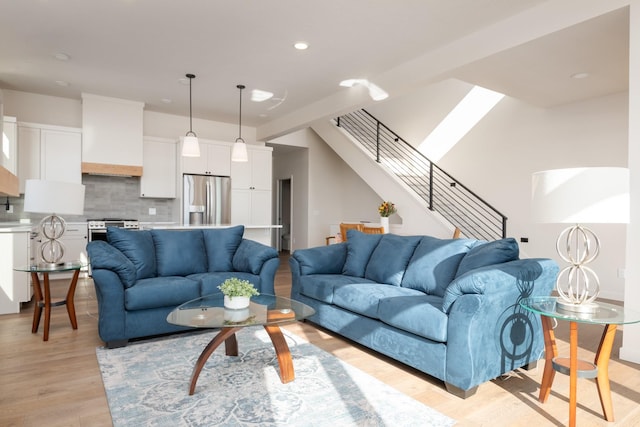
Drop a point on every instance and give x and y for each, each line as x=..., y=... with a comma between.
x=251, y=256
x=328, y=259
x=488, y=333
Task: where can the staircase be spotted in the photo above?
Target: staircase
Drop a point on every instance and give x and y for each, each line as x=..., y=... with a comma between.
x=428, y=187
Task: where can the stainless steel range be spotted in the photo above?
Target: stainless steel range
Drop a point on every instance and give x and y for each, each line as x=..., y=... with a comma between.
x=97, y=228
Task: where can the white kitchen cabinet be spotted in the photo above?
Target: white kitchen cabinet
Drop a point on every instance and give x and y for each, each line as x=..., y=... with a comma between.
x=15, y=285
x=74, y=241
x=215, y=159
x=158, y=169
x=251, y=188
x=9, y=146
x=52, y=153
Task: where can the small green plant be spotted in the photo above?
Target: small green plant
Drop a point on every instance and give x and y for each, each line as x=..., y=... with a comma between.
x=235, y=287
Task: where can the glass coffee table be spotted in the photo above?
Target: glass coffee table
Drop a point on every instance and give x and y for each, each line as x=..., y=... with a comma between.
x=607, y=315
x=269, y=311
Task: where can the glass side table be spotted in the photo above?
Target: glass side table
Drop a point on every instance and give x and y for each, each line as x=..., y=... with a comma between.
x=609, y=316
x=43, y=299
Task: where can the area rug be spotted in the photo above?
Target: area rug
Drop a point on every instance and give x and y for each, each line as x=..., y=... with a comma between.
x=147, y=384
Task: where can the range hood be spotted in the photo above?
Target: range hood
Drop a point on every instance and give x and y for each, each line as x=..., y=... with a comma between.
x=112, y=136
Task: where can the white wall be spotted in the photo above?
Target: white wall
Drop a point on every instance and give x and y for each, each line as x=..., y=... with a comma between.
x=496, y=159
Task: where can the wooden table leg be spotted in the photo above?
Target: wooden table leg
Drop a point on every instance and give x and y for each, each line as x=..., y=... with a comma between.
x=71, y=307
x=37, y=303
x=282, y=351
x=47, y=306
x=573, y=373
x=222, y=336
x=550, y=351
x=602, y=362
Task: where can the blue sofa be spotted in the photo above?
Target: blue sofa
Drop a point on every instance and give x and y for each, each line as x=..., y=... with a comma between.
x=140, y=276
x=447, y=307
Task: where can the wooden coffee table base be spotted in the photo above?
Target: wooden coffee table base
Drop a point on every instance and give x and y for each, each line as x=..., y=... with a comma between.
x=228, y=336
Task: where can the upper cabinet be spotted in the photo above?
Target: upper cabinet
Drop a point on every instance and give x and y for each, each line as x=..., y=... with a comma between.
x=215, y=159
x=112, y=131
x=9, y=154
x=49, y=152
x=159, y=169
x=256, y=173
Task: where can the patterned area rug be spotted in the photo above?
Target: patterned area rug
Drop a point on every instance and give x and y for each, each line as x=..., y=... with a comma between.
x=147, y=385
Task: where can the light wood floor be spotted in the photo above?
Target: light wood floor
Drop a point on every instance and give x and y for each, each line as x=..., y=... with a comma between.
x=58, y=383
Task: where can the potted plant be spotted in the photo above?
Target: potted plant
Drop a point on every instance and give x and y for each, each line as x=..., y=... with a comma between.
x=386, y=209
x=237, y=292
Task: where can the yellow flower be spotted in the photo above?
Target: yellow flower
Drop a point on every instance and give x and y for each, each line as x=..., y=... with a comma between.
x=386, y=209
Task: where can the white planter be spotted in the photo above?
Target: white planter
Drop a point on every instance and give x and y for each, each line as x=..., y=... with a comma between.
x=236, y=303
x=236, y=315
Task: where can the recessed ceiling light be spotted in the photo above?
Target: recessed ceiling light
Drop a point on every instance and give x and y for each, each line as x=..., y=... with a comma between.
x=62, y=83
x=258, y=95
x=301, y=45
x=580, y=75
x=165, y=101
x=60, y=56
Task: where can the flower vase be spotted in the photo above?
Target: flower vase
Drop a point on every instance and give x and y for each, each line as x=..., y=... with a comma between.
x=384, y=222
x=236, y=303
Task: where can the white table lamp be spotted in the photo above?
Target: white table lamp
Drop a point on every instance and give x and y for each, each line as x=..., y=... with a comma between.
x=578, y=196
x=53, y=198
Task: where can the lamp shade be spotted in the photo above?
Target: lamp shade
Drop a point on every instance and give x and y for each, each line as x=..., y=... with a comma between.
x=239, y=152
x=581, y=195
x=53, y=197
x=190, y=147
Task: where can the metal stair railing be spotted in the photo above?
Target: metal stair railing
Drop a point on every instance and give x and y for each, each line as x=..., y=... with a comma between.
x=442, y=193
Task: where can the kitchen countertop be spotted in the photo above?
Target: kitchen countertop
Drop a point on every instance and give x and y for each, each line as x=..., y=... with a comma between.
x=174, y=226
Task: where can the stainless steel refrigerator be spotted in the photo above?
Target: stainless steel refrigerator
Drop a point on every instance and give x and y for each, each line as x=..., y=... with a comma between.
x=206, y=200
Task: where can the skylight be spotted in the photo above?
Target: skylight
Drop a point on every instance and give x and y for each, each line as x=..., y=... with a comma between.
x=473, y=107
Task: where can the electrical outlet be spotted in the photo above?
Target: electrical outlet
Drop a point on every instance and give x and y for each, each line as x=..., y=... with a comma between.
x=152, y=211
x=622, y=274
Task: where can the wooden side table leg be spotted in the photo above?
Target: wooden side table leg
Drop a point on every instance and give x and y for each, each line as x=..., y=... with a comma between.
x=71, y=307
x=550, y=351
x=282, y=351
x=573, y=373
x=602, y=362
x=37, y=303
x=222, y=336
x=47, y=306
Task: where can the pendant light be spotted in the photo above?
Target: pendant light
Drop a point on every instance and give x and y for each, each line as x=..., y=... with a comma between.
x=190, y=146
x=239, y=153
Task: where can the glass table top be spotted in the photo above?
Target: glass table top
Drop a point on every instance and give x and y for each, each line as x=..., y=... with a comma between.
x=605, y=314
x=52, y=268
x=209, y=312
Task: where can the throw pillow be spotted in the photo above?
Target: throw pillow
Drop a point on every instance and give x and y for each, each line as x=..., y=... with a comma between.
x=390, y=258
x=221, y=244
x=137, y=245
x=360, y=246
x=251, y=255
x=179, y=252
x=495, y=252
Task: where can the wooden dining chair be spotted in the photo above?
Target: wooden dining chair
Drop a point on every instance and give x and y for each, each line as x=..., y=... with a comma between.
x=345, y=226
x=456, y=233
x=373, y=230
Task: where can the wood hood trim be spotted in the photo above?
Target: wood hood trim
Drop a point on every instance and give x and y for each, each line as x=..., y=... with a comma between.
x=109, y=169
x=8, y=183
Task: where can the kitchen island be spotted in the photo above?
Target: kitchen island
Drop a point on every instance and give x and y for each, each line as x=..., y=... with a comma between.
x=260, y=233
x=15, y=287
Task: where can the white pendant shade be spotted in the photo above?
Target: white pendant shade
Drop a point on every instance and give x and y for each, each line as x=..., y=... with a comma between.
x=190, y=147
x=239, y=152
x=53, y=197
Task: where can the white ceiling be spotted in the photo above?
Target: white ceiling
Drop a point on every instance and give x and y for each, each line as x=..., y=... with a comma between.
x=140, y=49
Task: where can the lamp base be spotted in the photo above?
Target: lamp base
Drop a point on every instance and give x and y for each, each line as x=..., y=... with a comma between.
x=587, y=307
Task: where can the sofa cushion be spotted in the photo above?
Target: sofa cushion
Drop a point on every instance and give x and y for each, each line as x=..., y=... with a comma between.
x=390, y=258
x=322, y=286
x=360, y=246
x=137, y=245
x=103, y=255
x=179, y=252
x=495, y=252
x=160, y=292
x=420, y=315
x=434, y=264
x=322, y=259
x=364, y=298
x=251, y=255
x=221, y=244
x=209, y=282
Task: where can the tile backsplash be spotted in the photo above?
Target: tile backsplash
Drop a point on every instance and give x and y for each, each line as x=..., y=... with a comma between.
x=106, y=197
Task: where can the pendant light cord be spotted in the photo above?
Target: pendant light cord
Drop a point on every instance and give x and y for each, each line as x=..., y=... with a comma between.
x=240, y=115
x=191, y=132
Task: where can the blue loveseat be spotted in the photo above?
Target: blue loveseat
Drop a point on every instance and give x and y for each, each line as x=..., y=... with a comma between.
x=447, y=307
x=140, y=276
